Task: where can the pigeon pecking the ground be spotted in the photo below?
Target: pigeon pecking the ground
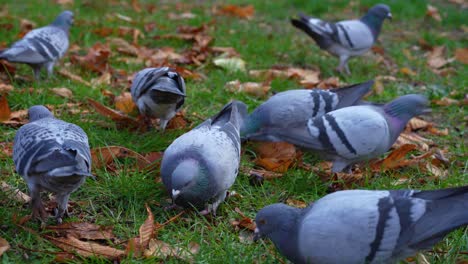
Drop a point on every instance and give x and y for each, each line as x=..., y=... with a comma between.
x=42, y=47
x=200, y=166
x=347, y=38
x=51, y=155
x=158, y=92
x=356, y=133
x=360, y=226
x=294, y=107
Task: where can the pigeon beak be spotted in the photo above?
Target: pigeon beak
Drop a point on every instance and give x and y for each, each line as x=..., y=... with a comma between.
x=257, y=235
x=175, y=193
x=389, y=16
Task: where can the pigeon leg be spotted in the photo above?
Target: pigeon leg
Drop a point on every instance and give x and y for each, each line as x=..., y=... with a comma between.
x=62, y=203
x=211, y=208
x=341, y=166
x=38, y=210
x=163, y=124
x=37, y=72
x=343, y=66
x=50, y=69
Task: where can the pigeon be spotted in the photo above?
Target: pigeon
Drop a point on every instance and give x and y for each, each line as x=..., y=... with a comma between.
x=158, y=92
x=362, y=226
x=295, y=107
x=355, y=133
x=347, y=38
x=200, y=166
x=51, y=155
x=42, y=47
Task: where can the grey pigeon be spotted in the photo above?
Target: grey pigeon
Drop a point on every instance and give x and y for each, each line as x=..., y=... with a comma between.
x=294, y=107
x=347, y=38
x=158, y=92
x=356, y=133
x=201, y=165
x=51, y=155
x=42, y=47
x=360, y=226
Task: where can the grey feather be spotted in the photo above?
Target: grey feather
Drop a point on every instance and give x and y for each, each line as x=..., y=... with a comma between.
x=347, y=38
x=42, y=47
x=51, y=155
x=294, y=107
x=366, y=226
x=158, y=92
x=200, y=166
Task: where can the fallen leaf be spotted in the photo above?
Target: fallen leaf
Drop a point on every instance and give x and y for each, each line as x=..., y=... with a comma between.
x=97, y=59
x=436, y=58
x=63, y=92
x=5, y=111
x=395, y=159
x=332, y=82
x=72, y=244
x=436, y=171
x=407, y=71
x=252, y=88
x=14, y=194
x=25, y=27
x=179, y=121
x=73, y=77
x=275, y=156
x=64, y=2
x=83, y=231
x=147, y=229
x=413, y=138
x=296, y=203
x=244, y=222
x=121, y=119
x=4, y=246
x=104, y=80
x=309, y=78
x=180, y=16
x=231, y=64
x=245, y=12
x=162, y=250
x=461, y=54
x=433, y=13
x=136, y=6
x=104, y=156
x=124, y=103
x=5, y=88
x=445, y=101
x=264, y=174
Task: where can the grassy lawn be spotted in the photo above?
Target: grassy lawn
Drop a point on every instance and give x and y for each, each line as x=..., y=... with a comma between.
x=118, y=198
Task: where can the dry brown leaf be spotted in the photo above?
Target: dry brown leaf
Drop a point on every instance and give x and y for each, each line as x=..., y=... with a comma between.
x=417, y=123
x=395, y=159
x=264, y=174
x=72, y=244
x=123, y=46
x=445, y=101
x=116, y=116
x=438, y=172
x=180, y=16
x=96, y=60
x=4, y=246
x=5, y=88
x=433, y=13
x=332, y=82
x=65, y=2
x=407, y=71
x=25, y=27
x=63, y=92
x=104, y=156
x=6, y=150
x=5, y=111
x=275, y=156
x=246, y=12
x=162, y=250
x=83, y=231
x=14, y=193
x=103, y=80
x=461, y=55
x=136, y=6
x=436, y=58
x=124, y=103
x=147, y=229
x=252, y=88
x=179, y=121
x=73, y=77
x=296, y=203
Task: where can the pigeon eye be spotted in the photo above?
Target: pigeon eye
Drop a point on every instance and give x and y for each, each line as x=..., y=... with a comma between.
x=262, y=221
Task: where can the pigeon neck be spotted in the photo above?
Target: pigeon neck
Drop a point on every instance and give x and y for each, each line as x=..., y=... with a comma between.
x=286, y=236
x=250, y=125
x=398, y=116
x=374, y=23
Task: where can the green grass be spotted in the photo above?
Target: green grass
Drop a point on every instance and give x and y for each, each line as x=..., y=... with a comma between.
x=267, y=39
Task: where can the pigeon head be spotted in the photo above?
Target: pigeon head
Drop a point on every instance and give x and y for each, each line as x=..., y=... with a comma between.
x=408, y=106
x=38, y=112
x=64, y=20
x=185, y=178
x=381, y=11
x=275, y=220
x=375, y=17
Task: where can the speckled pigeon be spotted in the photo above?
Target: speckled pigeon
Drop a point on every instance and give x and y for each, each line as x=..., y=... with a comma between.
x=51, y=155
x=42, y=47
x=201, y=165
x=347, y=38
x=356, y=133
x=294, y=107
x=158, y=92
x=360, y=226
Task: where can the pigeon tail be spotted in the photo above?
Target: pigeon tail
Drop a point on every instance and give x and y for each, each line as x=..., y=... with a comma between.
x=352, y=94
x=62, y=162
x=234, y=112
x=323, y=41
